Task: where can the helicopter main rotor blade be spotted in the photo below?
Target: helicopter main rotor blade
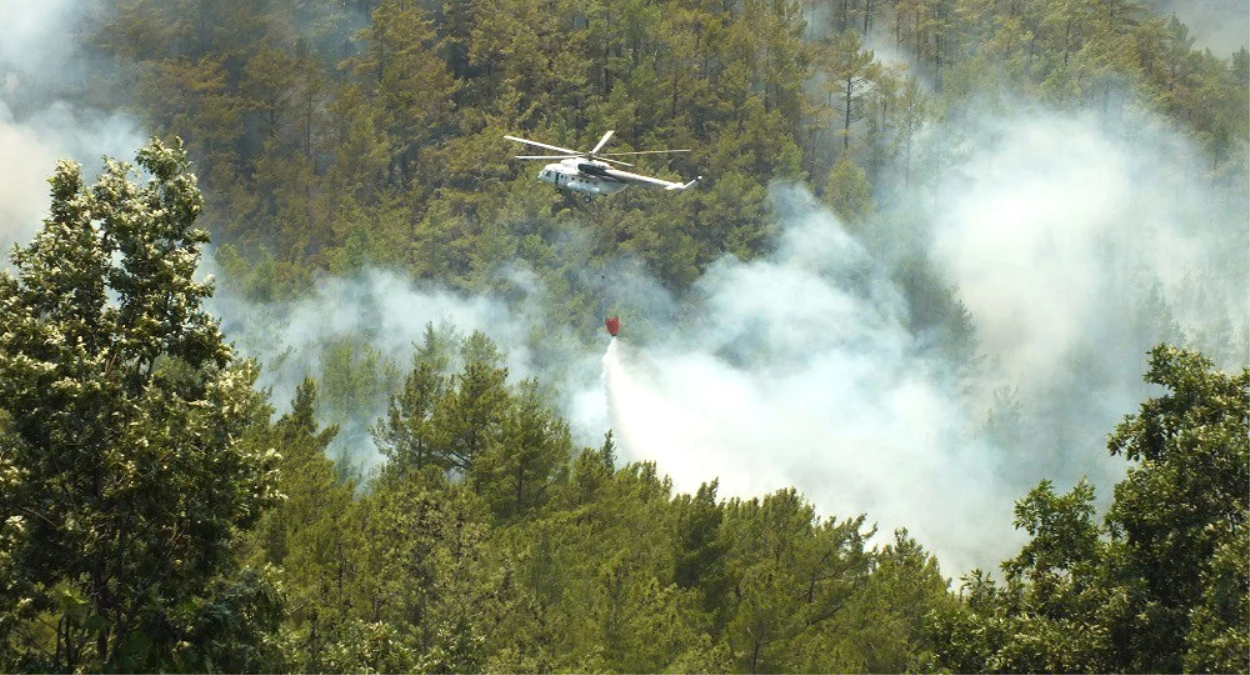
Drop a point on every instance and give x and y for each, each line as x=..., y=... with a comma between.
x=545, y=146
x=603, y=159
x=639, y=152
x=602, y=142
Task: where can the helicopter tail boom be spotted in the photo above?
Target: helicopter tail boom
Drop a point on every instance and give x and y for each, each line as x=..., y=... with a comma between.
x=680, y=186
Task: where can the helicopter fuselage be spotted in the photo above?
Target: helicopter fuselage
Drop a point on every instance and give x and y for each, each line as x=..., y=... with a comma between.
x=585, y=177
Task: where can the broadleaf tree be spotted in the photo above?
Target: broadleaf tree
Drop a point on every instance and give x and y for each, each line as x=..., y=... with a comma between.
x=127, y=417
x=1156, y=588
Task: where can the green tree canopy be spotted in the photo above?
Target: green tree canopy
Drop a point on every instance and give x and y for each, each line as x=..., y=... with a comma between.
x=1153, y=590
x=128, y=415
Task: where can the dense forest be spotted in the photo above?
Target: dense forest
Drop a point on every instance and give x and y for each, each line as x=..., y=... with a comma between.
x=181, y=490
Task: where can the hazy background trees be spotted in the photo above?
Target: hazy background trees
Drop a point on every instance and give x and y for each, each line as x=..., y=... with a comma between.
x=141, y=526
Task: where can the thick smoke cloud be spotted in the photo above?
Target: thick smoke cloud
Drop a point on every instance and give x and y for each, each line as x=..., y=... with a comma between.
x=1064, y=239
x=34, y=37
x=40, y=122
x=801, y=372
x=802, y=368
x=1070, y=240
x=27, y=160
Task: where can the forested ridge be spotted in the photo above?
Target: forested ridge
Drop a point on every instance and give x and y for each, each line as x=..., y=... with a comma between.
x=331, y=133
x=160, y=510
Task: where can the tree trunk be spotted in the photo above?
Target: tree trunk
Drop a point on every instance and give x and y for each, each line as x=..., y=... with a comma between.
x=846, y=126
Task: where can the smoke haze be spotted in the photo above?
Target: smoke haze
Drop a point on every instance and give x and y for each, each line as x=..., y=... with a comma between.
x=798, y=369
x=802, y=368
x=1074, y=245
x=39, y=121
x=357, y=336
x=1223, y=26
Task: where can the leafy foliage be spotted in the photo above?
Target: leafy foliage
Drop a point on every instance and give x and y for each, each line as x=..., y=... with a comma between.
x=128, y=469
x=1153, y=589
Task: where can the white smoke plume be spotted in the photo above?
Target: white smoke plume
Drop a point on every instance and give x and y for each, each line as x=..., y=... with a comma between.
x=376, y=320
x=23, y=186
x=379, y=308
x=799, y=369
x=802, y=368
x=40, y=123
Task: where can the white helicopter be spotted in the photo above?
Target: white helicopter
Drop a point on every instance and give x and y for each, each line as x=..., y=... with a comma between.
x=591, y=173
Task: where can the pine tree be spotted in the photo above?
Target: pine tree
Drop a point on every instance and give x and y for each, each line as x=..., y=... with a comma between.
x=514, y=474
x=848, y=192
x=468, y=419
x=306, y=534
x=407, y=437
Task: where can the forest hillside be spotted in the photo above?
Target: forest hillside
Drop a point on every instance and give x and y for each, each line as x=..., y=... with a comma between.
x=941, y=366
